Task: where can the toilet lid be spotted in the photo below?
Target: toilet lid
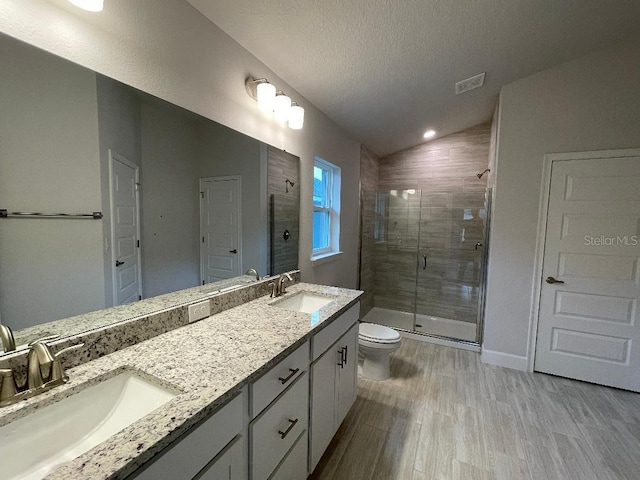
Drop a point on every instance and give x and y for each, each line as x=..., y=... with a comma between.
x=378, y=333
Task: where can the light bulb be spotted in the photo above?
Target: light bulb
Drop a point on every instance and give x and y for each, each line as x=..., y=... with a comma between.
x=89, y=5
x=429, y=134
x=266, y=96
x=296, y=117
x=282, y=108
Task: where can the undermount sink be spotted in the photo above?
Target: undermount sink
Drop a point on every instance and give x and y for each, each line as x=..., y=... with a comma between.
x=304, y=302
x=32, y=446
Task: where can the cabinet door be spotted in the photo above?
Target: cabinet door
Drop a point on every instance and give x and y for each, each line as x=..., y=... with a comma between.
x=323, y=395
x=347, y=373
x=226, y=466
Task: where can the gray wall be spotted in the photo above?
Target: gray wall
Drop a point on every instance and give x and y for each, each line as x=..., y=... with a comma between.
x=368, y=189
x=119, y=131
x=224, y=152
x=48, y=163
x=170, y=221
x=592, y=103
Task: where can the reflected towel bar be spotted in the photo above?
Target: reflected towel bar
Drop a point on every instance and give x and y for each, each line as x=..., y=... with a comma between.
x=80, y=216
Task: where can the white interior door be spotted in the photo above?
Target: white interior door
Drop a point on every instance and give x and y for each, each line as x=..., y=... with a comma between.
x=125, y=230
x=220, y=227
x=588, y=326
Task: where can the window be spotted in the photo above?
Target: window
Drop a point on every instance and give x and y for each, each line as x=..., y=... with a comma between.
x=326, y=209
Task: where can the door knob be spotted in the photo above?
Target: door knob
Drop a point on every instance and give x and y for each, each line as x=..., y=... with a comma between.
x=118, y=263
x=552, y=280
x=478, y=244
x=233, y=251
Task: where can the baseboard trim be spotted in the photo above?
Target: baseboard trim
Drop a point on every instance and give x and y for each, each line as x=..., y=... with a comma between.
x=506, y=360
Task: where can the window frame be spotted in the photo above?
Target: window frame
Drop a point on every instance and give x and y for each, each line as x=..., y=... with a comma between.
x=332, y=207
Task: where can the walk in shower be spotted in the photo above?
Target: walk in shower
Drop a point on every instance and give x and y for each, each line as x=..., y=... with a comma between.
x=423, y=249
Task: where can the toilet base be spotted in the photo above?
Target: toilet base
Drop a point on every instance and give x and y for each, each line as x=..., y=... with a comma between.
x=373, y=364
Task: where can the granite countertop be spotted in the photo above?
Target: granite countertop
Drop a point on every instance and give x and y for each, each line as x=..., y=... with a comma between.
x=208, y=362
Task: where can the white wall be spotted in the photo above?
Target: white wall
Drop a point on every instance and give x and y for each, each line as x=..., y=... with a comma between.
x=592, y=103
x=48, y=163
x=169, y=50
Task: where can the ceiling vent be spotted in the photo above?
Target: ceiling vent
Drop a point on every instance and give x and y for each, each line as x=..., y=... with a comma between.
x=470, y=83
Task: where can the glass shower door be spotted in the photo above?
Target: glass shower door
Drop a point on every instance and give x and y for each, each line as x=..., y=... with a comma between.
x=396, y=232
x=450, y=258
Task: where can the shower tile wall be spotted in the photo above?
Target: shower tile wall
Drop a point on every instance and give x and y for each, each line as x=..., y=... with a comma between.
x=285, y=205
x=444, y=171
x=368, y=189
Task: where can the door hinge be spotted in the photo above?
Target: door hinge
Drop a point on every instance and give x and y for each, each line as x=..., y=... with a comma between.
x=139, y=297
x=201, y=194
x=138, y=243
x=202, y=239
x=203, y=282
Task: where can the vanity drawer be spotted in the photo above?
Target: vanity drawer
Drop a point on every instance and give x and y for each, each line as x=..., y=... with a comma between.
x=294, y=467
x=193, y=451
x=330, y=334
x=268, y=447
x=275, y=381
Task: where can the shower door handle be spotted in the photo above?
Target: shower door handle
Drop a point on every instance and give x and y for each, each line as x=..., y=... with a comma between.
x=424, y=261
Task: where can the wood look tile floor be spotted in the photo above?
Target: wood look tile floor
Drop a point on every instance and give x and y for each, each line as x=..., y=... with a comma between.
x=445, y=415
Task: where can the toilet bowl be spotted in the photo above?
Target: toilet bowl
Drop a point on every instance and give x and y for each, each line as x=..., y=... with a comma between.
x=376, y=343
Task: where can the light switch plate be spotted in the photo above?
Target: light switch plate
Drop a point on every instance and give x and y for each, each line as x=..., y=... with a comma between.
x=198, y=311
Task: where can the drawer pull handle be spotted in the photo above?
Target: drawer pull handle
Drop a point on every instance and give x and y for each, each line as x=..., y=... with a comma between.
x=290, y=376
x=286, y=432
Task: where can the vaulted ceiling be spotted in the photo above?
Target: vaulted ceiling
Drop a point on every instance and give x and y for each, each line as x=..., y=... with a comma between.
x=385, y=70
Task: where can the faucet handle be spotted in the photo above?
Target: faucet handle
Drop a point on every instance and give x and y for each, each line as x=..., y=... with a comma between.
x=57, y=372
x=8, y=389
x=7, y=339
x=43, y=340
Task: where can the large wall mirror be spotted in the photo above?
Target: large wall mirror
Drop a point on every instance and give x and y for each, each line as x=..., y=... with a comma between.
x=184, y=200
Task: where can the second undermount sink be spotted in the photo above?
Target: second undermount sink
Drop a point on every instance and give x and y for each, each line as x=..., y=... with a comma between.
x=32, y=446
x=304, y=302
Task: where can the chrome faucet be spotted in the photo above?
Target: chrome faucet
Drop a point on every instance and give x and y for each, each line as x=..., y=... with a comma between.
x=253, y=271
x=44, y=371
x=278, y=287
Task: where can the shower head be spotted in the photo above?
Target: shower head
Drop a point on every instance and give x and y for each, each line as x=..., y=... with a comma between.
x=479, y=175
x=288, y=182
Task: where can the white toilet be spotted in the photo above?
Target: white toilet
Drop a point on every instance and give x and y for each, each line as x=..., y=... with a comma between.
x=376, y=343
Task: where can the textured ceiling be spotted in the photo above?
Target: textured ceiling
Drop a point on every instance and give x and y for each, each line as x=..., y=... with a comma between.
x=385, y=70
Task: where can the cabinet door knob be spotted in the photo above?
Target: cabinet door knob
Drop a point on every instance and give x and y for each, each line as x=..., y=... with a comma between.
x=290, y=376
x=286, y=432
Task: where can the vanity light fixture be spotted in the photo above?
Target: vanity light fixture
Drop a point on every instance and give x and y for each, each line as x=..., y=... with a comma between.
x=429, y=134
x=282, y=107
x=296, y=117
x=89, y=5
x=275, y=102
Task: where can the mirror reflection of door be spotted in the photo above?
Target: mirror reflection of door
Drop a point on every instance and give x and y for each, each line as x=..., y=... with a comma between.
x=220, y=224
x=125, y=229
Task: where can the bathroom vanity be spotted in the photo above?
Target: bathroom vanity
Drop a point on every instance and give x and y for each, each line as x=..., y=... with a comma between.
x=259, y=391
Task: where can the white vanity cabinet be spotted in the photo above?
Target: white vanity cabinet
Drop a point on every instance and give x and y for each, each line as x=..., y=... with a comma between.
x=278, y=439
x=333, y=380
x=211, y=450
